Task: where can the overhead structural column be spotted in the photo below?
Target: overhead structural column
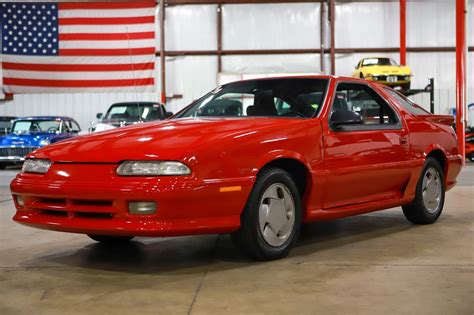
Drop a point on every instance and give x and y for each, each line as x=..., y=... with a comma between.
x=461, y=52
x=403, y=32
x=219, y=38
x=332, y=17
x=162, y=52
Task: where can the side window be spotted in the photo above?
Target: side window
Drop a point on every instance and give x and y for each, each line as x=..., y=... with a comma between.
x=406, y=103
x=282, y=107
x=361, y=99
x=75, y=127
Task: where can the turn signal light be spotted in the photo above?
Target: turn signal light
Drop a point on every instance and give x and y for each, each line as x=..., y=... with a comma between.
x=19, y=201
x=141, y=207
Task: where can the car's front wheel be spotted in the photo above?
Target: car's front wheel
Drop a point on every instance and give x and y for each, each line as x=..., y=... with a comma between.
x=429, y=199
x=109, y=239
x=271, y=220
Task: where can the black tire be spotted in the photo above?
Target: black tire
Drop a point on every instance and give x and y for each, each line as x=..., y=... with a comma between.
x=249, y=238
x=406, y=87
x=470, y=157
x=2, y=166
x=109, y=239
x=416, y=212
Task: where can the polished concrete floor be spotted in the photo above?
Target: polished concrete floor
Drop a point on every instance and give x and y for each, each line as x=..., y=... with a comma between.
x=371, y=264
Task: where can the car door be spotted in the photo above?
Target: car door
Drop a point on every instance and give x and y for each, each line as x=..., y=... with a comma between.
x=367, y=161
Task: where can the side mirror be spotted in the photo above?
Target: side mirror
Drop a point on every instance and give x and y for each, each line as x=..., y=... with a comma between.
x=99, y=115
x=168, y=114
x=345, y=117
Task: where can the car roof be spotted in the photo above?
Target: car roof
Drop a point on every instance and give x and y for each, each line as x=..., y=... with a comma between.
x=135, y=103
x=7, y=117
x=44, y=118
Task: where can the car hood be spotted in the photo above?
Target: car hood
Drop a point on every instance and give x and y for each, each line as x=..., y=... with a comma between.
x=165, y=140
x=403, y=70
x=25, y=140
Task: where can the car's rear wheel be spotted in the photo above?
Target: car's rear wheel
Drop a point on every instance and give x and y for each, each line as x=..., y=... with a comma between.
x=271, y=220
x=2, y=166
x=109, y=239
x=406, y=86
x=470, y=157
x=429, y=199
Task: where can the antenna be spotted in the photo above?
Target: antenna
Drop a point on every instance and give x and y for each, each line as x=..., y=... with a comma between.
x=133, y=74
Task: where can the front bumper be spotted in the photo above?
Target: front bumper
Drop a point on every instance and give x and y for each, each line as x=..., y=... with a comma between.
x=91, y=199
x=383, y=80
x=12, y=159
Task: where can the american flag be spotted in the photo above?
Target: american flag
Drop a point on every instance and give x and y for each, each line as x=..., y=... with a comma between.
x=78, y=46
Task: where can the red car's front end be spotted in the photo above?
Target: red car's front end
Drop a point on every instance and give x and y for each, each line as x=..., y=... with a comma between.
x=82, y=192
x=92, y=199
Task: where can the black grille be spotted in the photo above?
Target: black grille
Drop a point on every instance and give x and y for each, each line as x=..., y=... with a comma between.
x=16, y=151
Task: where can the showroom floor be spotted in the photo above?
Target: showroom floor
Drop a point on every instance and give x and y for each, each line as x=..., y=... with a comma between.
x=371, y=264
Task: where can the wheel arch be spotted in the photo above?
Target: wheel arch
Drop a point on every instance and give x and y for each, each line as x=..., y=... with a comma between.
x=297, y=169
x=439, y=155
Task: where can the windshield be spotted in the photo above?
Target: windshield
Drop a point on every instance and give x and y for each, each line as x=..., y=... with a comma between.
x=379, y=62
x=133, y=112
x=268, y=98
x=27, y=126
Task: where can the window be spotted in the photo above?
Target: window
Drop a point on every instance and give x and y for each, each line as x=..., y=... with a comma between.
x=70, y=126
x=295, y=97
x=361, y=99
x=406, y=103
x=379, y=62
x=27, y=126
x=131, y=112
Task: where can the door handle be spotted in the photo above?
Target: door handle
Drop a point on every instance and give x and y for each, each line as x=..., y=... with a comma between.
x=404, y=141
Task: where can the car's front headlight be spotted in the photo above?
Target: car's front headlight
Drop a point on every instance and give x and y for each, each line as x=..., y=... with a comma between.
x=152, y=168
x=44, y=142
x=38, y=166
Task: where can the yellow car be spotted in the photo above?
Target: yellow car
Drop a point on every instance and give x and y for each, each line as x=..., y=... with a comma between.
x=383, y=70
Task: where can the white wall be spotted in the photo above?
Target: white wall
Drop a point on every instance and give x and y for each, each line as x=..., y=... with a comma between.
x=281, y=26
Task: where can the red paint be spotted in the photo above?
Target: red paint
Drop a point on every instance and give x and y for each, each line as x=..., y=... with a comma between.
x=77, y=83
x=106, y=36
x=403, y=34
x=348, y=173
x=163, y=98
x=106, y=5
x=460, y=73
x=79, y=68
x=107, y=21
x=469, y=146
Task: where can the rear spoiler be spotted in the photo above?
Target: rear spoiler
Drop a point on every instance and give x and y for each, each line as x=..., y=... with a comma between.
x=439, y=119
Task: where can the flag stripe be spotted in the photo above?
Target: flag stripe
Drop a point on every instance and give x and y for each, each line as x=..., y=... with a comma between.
x=107, y=36
x=78, y=83
x=105, y=5
x=17, y=89
x=79, y=60
x=78, y=67
x=105, y=13
x=72, y=76
x=125, y=28
x=107, y=21
x=108, y=44
x=107, y=52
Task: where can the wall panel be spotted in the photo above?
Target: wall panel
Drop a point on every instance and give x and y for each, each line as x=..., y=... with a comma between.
x=271, y=26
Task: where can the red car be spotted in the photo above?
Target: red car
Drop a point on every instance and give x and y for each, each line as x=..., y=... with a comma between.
x=470, y=146
x=253, y=158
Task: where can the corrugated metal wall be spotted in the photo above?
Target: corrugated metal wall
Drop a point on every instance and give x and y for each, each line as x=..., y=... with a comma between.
x=274, y=26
